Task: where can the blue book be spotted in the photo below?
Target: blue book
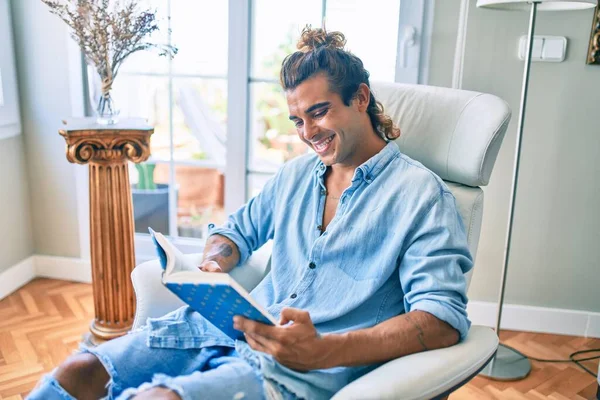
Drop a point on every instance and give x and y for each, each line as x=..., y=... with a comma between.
x=216, y=296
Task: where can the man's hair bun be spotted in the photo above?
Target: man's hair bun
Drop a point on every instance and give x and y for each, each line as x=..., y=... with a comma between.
x=312, y=39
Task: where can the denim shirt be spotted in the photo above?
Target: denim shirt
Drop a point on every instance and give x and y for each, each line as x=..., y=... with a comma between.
x=396, y=244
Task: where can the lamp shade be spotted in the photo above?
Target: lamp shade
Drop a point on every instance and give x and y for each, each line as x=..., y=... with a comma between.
x=543, y=5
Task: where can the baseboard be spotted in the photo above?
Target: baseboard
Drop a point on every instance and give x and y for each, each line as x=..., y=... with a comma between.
x=537, y=319
x=16, y=276
x=65, y=268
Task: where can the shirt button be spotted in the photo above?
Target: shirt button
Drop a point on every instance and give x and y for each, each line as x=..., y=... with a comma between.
x=293, y=296
x=319, y=227
x=323, y=192
x=312, y=265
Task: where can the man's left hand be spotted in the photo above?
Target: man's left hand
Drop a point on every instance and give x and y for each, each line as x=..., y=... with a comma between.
x=297, y=345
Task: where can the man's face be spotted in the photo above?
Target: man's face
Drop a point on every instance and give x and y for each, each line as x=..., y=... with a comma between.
x=323, y=121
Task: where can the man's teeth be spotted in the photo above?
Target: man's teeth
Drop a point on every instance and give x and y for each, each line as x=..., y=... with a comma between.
x=321, y=145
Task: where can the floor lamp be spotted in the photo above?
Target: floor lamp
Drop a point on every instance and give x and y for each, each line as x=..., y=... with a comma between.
x=508, y=364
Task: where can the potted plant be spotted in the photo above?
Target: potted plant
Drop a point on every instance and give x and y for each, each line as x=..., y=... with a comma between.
x=150, y=201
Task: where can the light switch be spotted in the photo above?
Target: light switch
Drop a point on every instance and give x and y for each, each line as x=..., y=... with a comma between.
x=554, y=49
x=536, y=52
x=545, y=48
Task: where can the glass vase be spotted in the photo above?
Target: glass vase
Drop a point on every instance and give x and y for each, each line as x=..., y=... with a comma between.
x=101, y=99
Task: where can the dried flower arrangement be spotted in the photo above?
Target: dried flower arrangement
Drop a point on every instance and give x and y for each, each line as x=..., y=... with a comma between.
x=107, y=32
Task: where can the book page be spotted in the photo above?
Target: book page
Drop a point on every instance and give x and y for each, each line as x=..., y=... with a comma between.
x=172, y=259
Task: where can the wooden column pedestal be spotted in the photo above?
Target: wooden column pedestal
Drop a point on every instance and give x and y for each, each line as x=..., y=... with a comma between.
x=107, y=149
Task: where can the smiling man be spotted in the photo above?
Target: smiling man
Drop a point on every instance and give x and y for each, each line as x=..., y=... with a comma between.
x=367, y=266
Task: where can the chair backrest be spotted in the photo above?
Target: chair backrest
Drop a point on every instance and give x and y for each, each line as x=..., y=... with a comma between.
x=454, y=133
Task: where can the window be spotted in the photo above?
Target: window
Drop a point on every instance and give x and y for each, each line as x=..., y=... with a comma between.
x=185, y=99
x=220, y=116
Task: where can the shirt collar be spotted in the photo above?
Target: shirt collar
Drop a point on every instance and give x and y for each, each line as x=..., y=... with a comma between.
x=370, y=168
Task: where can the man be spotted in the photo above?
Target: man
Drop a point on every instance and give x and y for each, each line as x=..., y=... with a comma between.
x=368, y=260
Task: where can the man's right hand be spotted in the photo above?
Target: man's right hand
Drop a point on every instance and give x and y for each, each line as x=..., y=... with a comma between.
x=210, y=266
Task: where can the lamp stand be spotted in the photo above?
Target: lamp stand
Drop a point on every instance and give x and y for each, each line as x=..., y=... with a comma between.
x=508, y=364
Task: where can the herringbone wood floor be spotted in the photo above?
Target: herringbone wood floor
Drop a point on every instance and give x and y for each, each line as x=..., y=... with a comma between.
x=42, y=323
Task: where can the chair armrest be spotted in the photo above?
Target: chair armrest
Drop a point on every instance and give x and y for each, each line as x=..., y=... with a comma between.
x=428, y=374
x=153, y=299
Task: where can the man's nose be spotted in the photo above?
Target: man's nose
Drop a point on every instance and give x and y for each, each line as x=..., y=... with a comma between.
x=310, y=130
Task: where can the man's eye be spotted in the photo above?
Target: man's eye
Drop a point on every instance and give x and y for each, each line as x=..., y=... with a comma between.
x=320, y=113
x=298, y=123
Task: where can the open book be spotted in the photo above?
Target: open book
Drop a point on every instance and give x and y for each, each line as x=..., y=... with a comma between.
x=216, y=296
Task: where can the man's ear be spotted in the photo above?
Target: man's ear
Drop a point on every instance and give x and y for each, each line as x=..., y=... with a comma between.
x=363, y=95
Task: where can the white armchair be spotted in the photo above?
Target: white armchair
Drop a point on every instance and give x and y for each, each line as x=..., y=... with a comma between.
x=456, y=134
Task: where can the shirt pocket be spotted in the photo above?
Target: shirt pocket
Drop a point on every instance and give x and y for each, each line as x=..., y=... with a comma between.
x=184, y=329
x=361, y=271
x=353, y=250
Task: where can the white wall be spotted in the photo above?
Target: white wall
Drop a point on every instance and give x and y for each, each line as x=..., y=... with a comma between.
x=16, y=238
x=43, y=76
x=555, y=259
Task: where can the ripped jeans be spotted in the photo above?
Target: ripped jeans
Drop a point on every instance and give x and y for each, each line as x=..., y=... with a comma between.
x=195, y=361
